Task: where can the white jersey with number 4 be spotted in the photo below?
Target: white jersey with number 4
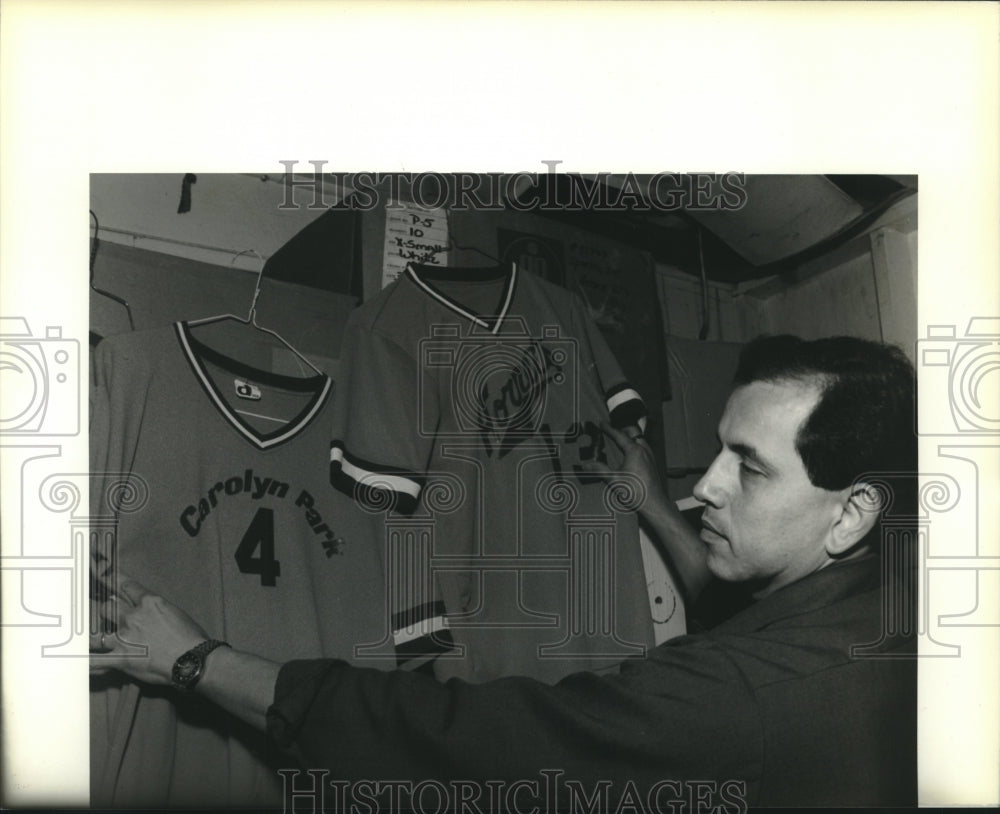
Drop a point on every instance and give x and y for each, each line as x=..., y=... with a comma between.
x=214, y=477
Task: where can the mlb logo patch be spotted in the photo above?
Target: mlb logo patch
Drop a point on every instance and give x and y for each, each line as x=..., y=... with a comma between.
x=245, y=390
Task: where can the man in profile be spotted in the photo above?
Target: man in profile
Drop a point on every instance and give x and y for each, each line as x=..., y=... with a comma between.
x=805, y=697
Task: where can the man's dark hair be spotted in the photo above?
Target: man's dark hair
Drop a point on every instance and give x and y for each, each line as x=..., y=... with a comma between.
x=864, y=421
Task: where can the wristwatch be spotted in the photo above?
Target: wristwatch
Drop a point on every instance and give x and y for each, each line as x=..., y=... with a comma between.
x=189, y=666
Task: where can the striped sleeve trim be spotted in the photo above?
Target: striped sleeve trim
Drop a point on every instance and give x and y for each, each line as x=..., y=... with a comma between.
x=626, y=407
x=421, y=633
x=372, y=484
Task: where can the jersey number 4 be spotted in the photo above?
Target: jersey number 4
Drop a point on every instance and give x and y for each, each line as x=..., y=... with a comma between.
x=259, y=536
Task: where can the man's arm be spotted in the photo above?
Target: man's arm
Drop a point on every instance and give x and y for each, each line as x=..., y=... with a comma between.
x=240, y=683
x=678, y=713
x=683, y=713
x=674, y=535
x=152, y=633
x=681, y=543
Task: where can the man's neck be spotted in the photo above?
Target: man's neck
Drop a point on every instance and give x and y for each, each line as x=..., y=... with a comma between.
x=762, y=590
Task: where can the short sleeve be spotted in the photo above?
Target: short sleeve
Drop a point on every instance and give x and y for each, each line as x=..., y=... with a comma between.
x=100, y=424
x=107, y=453
x=383, y=422
x=117, y=408
x=382, y=440
x=623, y=401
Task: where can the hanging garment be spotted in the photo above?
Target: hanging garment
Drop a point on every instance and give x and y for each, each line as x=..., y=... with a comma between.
x=471, y=404
x=215, y=478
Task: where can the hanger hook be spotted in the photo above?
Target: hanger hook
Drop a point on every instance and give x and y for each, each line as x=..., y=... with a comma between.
x=239, y=254
x=93, y=249
x=93, y=257
x=251, y=316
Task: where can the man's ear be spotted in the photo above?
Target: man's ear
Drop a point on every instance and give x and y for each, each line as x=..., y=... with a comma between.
x=859, y=509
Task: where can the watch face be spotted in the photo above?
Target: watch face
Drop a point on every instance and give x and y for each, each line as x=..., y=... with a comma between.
x=186, y=668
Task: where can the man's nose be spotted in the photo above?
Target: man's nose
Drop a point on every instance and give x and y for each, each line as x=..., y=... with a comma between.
x=709, y=489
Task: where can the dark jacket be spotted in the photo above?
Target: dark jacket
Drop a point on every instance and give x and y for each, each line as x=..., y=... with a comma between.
x=770, y=708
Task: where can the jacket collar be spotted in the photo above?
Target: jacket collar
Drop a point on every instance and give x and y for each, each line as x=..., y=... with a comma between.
x=822, y=588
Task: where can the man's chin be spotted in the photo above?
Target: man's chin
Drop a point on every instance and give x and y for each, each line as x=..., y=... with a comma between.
x=722, y=568
x=729, y=571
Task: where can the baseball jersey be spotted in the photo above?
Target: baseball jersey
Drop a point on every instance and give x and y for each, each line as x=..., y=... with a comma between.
x=216, y=478
x=471, y=403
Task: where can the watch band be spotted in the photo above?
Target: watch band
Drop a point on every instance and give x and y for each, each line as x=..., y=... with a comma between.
x=188, y=668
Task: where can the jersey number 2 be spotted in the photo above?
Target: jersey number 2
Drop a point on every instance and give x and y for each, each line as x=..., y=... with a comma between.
x=259, y=535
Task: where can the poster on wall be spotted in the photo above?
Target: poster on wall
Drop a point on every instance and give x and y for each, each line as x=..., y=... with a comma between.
x=413, y=235
x=541, y=256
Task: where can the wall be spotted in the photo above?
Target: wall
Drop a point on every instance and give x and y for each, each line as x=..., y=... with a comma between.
x=229, y=214
x=169, y=266
x=867, y=288
x=731, y=317
x=699, y=369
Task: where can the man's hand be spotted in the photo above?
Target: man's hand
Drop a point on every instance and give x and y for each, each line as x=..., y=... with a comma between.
x=151, y=633
x=638, y=461
x=665, y=523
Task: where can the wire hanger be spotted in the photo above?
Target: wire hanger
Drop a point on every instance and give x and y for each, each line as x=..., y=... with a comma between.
x=454, y=244
x=251, y=317
x=703, y=331
x=95, y=289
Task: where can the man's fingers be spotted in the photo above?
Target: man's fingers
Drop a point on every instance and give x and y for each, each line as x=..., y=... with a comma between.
x=618, y=436
x=642, y=442
x=112, y=616
x=595, y=468
x=116, y=644
x=625, y=434
x=118, y=586
x=111, y=640
x=111, y=613
x=98, y=643
x=627, y=437
x=101, y=663
x=634, y=433
x=130, y=589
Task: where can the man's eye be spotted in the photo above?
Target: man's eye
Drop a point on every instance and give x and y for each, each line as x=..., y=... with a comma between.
x=746, y=469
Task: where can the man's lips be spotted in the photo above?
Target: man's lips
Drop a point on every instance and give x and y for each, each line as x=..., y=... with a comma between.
x=711, y=531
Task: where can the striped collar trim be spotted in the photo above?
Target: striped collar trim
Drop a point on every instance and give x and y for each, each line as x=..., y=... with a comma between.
x=196, y=353
x=421, y=276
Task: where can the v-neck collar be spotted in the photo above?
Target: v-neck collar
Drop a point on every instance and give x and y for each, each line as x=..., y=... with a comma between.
x=198, y=353
x=423, y=276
